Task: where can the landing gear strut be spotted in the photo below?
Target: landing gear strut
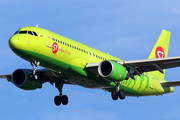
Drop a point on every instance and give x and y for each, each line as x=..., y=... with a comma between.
x=34, y=75
x=118, y=93
x=60, y=98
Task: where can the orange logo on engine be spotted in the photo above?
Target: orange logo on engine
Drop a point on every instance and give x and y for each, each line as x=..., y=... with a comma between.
x=160, y=52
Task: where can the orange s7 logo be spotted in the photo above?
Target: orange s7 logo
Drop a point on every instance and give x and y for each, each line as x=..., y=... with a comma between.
x=54, y=48
x=160, y=52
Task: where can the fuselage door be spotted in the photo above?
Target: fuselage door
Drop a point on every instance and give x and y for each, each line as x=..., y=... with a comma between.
x=48, y=38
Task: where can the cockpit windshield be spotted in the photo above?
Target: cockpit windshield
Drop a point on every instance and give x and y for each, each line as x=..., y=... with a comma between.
x=22, y=32
x=26, y=32
x=29, y=32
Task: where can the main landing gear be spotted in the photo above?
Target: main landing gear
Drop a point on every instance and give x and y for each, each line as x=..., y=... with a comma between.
x=60, y=98
x=118, y=93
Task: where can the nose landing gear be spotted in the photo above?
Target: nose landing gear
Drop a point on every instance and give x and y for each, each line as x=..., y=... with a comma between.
x=34, y=76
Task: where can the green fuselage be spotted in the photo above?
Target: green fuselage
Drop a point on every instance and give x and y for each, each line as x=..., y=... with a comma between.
x=68, y=59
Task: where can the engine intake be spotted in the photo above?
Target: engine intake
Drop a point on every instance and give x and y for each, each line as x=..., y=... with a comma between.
x=112, y=71
x=21, y=79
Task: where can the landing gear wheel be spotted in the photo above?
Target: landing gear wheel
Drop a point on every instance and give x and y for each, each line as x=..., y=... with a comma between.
x=114, y=95
x=64, y=99
x=122, y=94
x=57, y=100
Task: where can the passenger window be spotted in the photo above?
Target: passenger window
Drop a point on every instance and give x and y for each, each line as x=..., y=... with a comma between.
x=22, y=32
x=35, y=33
x=29, y=32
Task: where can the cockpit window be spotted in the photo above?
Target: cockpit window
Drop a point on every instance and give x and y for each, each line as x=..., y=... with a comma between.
x=35, y=33
x=26, y=32
x=29, y=32
x=22, y=32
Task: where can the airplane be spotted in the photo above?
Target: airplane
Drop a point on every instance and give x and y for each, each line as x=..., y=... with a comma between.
x=66, y=61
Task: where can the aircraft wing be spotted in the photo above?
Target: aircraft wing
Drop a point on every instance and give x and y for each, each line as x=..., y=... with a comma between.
x=6, y=76
x=45, y=75
x=148, y=65
x=139, y=66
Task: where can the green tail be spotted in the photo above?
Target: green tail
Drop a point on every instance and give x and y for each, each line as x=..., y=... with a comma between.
x=160, y=49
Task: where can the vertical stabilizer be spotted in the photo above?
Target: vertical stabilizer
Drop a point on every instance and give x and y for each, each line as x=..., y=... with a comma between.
x=160, y=49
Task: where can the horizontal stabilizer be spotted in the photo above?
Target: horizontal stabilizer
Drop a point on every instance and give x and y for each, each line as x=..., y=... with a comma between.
x=171, y=84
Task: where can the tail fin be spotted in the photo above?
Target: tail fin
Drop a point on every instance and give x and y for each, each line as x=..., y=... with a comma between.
x=160, y=49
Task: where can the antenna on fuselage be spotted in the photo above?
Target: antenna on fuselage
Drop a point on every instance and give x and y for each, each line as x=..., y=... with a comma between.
x=37, y=25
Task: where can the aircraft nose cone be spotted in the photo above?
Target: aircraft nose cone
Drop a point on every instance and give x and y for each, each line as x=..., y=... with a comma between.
x=14, y=42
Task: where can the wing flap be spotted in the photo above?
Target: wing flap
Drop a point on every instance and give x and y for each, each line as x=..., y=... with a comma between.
x=149, y=65
x=163, y=66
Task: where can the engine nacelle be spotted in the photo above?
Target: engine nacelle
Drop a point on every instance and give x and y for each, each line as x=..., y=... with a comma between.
x=21, y=79
x=112, y=71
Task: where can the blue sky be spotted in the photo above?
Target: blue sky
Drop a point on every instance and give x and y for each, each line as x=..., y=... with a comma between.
x=126, y=29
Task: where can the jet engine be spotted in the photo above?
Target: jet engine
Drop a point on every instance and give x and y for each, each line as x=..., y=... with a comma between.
x=21, y=79
x=112, y=71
